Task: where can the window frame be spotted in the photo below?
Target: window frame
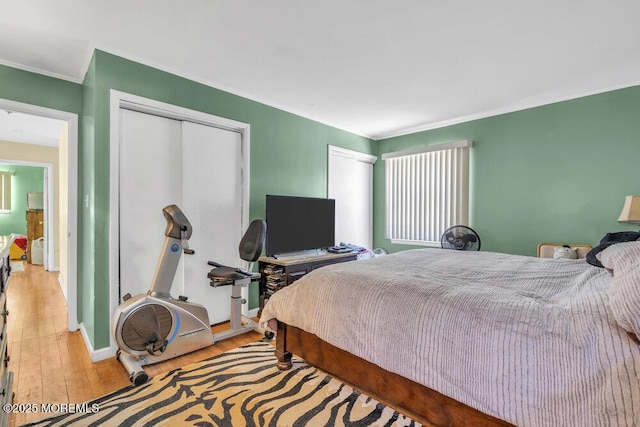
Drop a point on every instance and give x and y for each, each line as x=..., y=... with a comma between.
x=413, y=187
x=5, y=191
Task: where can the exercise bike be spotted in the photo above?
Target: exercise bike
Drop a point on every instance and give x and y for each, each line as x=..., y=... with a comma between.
x=153, y=327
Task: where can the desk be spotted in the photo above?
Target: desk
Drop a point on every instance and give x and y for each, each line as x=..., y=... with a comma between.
x=277, y=273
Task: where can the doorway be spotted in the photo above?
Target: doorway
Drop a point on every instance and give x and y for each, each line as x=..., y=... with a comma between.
x=32, y=190
x=67, y=227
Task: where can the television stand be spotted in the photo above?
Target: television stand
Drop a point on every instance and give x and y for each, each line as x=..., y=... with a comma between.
x=276, y=273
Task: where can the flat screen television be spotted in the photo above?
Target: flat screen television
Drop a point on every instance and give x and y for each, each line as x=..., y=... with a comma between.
x=299, y=223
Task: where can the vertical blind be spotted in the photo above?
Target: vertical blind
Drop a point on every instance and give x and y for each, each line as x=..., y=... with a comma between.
x=427, y=191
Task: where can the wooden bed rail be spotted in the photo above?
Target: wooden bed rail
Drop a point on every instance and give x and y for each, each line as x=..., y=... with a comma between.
x=421, y=403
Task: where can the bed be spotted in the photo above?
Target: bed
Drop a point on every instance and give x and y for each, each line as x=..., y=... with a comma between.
x=474, y=338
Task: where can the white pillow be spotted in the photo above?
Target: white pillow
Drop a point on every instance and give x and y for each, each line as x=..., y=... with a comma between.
x=621, y=256
x=623, y=259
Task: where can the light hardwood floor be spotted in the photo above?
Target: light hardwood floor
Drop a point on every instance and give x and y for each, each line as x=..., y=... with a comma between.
x=52, y=365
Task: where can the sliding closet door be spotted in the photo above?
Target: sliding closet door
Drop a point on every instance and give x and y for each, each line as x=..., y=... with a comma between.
x=212, y=200
x=198, y=168
x=150, y=179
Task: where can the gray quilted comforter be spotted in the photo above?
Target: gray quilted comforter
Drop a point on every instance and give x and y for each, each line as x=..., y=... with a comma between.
x=528, y=340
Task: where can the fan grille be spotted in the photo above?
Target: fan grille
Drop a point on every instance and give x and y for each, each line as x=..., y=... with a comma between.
x=145, y=326
x=460, y=237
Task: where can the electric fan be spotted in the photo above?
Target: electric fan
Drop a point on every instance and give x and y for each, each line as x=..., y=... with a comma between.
x=461, y=238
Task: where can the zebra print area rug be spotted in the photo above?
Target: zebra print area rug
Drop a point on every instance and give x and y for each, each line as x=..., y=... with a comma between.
x=241, y=387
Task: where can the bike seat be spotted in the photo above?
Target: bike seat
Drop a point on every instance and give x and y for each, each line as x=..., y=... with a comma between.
x=225, y=273
x=249, y=249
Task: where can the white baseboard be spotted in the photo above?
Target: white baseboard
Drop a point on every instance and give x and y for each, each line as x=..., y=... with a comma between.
x=252, y=313
x=63, y=287
x=96, y=355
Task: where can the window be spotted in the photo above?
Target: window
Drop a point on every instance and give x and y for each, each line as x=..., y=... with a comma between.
x=350, y=183
x=5, y=191
x=427, y=191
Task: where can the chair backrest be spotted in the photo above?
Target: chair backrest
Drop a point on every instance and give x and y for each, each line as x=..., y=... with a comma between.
x=251, y=244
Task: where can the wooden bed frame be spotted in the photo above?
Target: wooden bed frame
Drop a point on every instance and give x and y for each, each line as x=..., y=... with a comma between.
x=423, y=404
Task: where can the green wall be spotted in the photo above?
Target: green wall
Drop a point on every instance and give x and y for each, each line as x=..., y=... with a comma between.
x=36, y=89
x=556, y=173
x=87, y=256
x=26, y=179
x=288, y=156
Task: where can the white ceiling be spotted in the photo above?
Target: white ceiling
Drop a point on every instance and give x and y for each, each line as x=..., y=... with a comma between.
x=30, y=129
x=374, y=67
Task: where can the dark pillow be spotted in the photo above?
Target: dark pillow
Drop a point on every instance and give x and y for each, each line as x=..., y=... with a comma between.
x=608, y=240
x=620, y=236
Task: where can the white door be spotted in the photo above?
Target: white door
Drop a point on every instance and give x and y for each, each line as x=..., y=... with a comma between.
x=212, y=200
x=165, y=161
x=48, y=237
x=150, y=179
x=350, y=183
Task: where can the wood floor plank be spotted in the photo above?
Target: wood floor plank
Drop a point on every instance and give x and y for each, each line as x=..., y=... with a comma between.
x=52, y=374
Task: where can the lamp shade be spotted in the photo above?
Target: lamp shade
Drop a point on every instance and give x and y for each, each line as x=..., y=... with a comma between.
x=631, y=210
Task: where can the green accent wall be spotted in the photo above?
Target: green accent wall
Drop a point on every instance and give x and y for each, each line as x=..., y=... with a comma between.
x=555, y=173
x=87, y=257
x=36, y=89
x=288, y=156
x=26, y=179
